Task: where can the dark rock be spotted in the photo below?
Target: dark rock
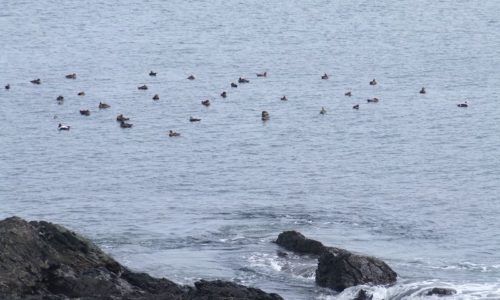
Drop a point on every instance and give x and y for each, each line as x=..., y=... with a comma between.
x=362, y=295
x=441, y=292
x=339, y=269
x=296, y=242
x=44, y=261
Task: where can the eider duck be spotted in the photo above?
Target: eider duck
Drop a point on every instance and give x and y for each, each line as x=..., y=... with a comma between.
x=121, y=118
x=191, y=119
x=206, y=102
x=355, y=106
x=156, y=97
x=374, y=100
x=152, y=73
x=103, y=105
x=143, y=87
x=243, y=80
x=36, y=81
x=224, y=94
x=172, y=133
x=60, y=98
x=234, y=85
x=284, y=98
x=422, y=91
x=373, y=82
x=463, y=104
x=322, y=111
x=85, y=112
x=262, y=74
x=81, y=93
x=63, y=127
x=348, y=94
x=125, y=125
x=7, y=87
x=191, y=77
x=324, y=77
x=265, y=116
x=71, y=76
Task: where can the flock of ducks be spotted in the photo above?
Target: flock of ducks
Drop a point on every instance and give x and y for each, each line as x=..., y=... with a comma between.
x=264, y=116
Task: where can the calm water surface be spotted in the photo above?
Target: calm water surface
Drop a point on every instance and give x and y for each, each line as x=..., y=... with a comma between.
x=412, y=179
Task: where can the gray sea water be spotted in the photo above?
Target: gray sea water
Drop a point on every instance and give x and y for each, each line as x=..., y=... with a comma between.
x=412, y=179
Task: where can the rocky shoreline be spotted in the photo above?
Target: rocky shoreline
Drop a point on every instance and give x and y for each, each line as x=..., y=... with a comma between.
x=42, y=260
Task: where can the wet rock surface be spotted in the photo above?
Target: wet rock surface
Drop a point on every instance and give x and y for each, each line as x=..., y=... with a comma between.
x=440, y=292
x=41, y=260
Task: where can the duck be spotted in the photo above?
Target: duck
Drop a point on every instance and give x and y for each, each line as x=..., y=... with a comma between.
x=322, y=111
x=191, y=119
x=60, y=98
x=63, y=127
x=355, y=106
x=373, y=82
x=265, y=116
x=81, y=93
x=191, y=77
x=348, y=94
x=374, y=100
x=71, y=76
x=143, y=87
x=152, y=73
x=262, y=74
x=422, y=91
x=156, y=97
x=243, y=80
x=7, y=87
x=85, y=112
x=172, y=133
x=36, y=81
x=324, y=77
x=206, y=102
x=103, y=105
x=463, y=104
x=224, y=94
x=284, y=98
x=234, y=85
x=125, y=125
x=121, y=118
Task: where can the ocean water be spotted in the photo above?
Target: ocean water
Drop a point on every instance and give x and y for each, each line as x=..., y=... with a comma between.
x=413, y=179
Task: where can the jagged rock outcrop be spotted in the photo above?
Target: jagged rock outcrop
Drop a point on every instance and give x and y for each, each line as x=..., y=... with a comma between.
x=338, y=268
x=441, y=292
x=41, y=260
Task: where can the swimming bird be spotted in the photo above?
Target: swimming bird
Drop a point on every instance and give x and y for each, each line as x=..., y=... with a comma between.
x=36, y=81
x=243, y=80
x=355, y=106
x=265, y=116
x=121, y=118
x=422, y=91
x=81, y=93
x=172, y=133
x=7, y=87
x=191, y=77
x=284, y=98
x=103, y=105
x=63, y=127
x=322, y=111
x=71, y=76
x=348, y=94
x=324, y=77
x=85, y=112
x=60, y=98
x=125, y=125
x=234, y=85
x=463, y=104
x=262, y=74
x=156, y=97
x=224, y=94
x=374, y=100
x=143, y=87
x=191, y=119
x=206, y=102
x=373, y=82
x=152, y=73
